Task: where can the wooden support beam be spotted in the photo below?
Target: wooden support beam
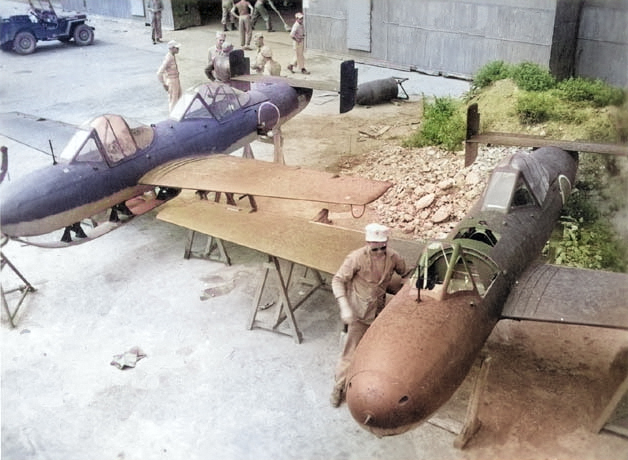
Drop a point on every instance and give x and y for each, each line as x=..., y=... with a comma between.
x=472, y=423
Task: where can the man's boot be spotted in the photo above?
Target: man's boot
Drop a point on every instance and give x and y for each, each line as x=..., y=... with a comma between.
x=337, y=394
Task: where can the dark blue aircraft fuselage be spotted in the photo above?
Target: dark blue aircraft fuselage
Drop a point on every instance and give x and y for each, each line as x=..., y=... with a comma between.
x=214, y=119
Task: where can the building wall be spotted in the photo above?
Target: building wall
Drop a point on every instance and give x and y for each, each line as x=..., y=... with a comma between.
x=457, y=37
x=602, y=46
x=176, y=14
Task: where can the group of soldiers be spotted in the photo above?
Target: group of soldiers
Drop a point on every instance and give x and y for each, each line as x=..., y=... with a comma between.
x=231, y=13
x=218, y=67
x=218, y=59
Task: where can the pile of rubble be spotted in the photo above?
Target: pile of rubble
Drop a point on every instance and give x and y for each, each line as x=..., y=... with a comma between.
x=432, y=189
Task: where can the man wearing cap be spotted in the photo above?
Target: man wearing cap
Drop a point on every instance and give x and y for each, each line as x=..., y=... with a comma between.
x=360, y=286
x=297, y=34
x=222, y=68
x=269, y=65
x=168, y=74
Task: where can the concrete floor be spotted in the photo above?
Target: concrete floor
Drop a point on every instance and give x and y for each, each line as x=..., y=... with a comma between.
x=208, y=388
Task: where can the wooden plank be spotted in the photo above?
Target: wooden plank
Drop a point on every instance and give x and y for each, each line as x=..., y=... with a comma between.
x=472, y=422
x=224, y=173
x=315, y=245
x=604, y=421
x=524, y=140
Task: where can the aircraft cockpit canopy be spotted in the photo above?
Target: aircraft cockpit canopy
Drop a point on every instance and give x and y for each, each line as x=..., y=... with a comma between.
x=448, y=268
x=516, y=182
x=107, y=138
x=210, y=100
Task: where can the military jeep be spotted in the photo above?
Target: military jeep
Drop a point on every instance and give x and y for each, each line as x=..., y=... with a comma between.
x=20, y=33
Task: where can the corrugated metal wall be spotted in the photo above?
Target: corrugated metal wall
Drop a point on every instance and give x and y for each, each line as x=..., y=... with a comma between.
x=602, y=50
x=456, y=38
x=124, y=9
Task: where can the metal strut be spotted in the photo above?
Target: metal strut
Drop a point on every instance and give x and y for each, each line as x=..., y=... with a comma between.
x=24, y=289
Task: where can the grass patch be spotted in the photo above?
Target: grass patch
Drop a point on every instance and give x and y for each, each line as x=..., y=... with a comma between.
x=443, y=125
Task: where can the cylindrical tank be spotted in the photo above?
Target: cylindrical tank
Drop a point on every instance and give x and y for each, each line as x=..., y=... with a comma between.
x=376, y=91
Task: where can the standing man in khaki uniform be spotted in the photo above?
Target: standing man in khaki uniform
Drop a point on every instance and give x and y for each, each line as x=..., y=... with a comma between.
x=258, y=41
x=297, y=34
x=227, y=17
x=168, y=74
x=360, y=286
x=155, y=8
x=261, y=11
x=244, y=11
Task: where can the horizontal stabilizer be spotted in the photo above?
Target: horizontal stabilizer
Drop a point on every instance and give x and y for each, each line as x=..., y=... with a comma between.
x=347, y=86
x=321, y=85
x=570, y=295
x=224, y=173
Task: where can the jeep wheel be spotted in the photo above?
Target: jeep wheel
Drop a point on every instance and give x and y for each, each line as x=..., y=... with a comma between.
x=83, y=35
x=24, y=43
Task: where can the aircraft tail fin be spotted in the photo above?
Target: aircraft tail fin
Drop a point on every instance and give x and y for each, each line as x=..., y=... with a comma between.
x=348, y=85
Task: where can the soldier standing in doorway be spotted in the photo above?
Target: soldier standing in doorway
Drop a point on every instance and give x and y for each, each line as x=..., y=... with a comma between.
x=244, y=11
x=155, y=8
x=298, y=40
x=261, y=11
x=227, y=17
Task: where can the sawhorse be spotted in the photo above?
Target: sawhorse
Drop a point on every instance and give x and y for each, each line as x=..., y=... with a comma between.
x=211, y=246
x=23, y=289
x=285, y=308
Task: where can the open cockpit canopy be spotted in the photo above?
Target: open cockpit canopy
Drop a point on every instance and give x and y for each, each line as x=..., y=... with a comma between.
x=518, y=181
x=450, y=267
x=107, y=138
x=209, y=100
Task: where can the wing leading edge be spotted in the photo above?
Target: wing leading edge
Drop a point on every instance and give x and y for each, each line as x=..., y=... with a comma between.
x=570, y=295
x=224, y=173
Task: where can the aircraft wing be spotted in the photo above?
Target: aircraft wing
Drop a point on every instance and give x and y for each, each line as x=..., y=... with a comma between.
x=570, y=295
x=311, y=244
x=35, y=132
x=225, y=173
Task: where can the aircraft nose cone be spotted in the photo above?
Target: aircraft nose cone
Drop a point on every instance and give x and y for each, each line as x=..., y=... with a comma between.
x=380, y=403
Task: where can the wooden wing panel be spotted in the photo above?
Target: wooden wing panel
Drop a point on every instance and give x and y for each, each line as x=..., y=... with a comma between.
x=319, y=246
x=224, y=173
x=570, y=295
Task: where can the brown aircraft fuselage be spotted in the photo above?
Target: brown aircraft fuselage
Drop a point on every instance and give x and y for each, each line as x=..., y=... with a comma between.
x=422, y=346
